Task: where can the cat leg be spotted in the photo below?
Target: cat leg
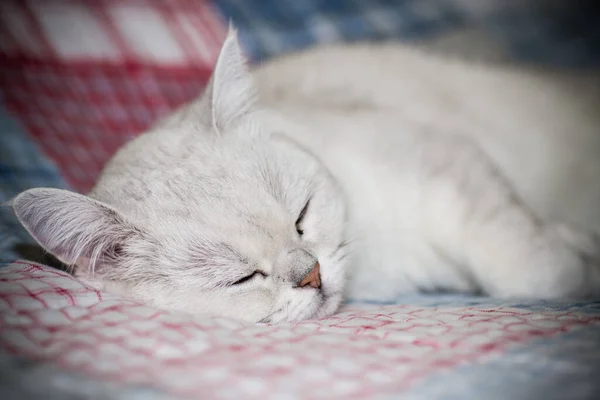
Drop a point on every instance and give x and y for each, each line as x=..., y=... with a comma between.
x=473, y=217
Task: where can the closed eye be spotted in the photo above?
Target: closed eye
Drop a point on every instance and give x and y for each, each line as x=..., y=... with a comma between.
x=300, y=218
x=248, y=278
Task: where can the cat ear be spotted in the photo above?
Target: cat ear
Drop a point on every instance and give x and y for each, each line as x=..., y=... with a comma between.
x=76, y=229
x=230, y=94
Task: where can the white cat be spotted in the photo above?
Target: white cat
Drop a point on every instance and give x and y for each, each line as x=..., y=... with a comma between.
x=407, y=171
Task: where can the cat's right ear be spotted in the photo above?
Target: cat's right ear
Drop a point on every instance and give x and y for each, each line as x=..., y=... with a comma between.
x=230, y=95
x=79, y=231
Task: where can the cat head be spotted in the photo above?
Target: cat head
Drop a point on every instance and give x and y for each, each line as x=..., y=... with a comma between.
x=209, y=212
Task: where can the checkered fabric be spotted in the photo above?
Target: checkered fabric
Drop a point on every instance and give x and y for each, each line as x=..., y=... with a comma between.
x=82, y=92
x=270, y=27
x=553, y=33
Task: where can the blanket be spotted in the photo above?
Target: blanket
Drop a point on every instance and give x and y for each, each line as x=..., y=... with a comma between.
x=441, y=347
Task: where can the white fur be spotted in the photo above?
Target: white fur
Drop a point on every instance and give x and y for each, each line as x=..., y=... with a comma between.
x=422, y=174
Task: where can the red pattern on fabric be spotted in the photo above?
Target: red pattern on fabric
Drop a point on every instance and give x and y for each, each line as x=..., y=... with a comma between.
x=364, y=351
x=80, y=109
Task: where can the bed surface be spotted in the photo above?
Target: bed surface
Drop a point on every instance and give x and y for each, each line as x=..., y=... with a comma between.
x=441, y=347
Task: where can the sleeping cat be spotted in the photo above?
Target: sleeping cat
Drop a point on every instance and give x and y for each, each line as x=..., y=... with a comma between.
x=364, y=171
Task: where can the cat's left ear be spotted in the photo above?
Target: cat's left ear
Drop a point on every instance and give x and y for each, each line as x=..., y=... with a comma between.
x=230, y=95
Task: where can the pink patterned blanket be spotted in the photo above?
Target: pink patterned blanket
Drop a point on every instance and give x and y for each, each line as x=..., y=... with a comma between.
x=365, y=351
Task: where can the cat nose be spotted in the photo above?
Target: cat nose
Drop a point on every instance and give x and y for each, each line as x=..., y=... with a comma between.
x=313, y=279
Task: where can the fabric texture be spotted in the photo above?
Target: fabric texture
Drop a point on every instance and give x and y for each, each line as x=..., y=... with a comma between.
x=415, y=349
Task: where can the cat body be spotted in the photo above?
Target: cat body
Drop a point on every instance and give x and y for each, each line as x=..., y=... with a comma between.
x=365, y=171
x=404, y=131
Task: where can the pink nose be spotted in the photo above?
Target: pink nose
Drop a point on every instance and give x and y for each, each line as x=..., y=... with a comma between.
x=313, y=279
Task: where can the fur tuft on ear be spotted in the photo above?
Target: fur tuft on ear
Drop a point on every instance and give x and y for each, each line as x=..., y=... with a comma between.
x=76, y=229
x=230, y=93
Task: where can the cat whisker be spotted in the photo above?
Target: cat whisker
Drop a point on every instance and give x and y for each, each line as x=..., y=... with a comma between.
x=267, y=319
x=343, y=244
x=342, y=257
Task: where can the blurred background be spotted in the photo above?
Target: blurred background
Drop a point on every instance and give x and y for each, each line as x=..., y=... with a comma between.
x=78, y=78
